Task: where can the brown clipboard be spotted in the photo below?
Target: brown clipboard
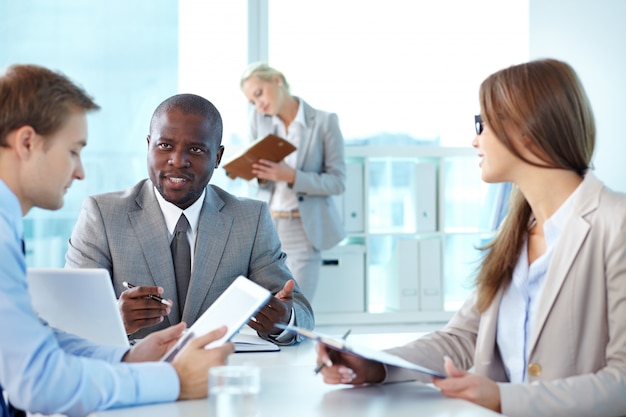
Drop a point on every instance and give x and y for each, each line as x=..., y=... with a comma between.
x=271, y=147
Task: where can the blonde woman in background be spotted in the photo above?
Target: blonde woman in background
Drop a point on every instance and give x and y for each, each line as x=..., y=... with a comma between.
x=302, y=184
x=545, y=330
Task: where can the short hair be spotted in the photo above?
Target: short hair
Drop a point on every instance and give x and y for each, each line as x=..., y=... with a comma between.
x=31, y=95
x=264, y=72
x=191, y=104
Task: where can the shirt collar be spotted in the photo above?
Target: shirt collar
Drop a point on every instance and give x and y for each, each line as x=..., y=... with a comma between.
x=172, y=213
x=298, y=119
x=11, y=206
x=553, y=227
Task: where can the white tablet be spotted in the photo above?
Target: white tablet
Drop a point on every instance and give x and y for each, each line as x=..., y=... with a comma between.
x=240, y=301
x=78, y=301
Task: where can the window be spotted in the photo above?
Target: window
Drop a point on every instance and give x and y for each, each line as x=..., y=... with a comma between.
x=406, y=68
x=396, y=72
x=401, y=74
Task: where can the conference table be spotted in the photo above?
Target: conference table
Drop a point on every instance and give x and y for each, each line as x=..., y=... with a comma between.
x=289, y=387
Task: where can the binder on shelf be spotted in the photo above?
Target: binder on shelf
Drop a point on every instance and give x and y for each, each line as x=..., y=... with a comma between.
x=426, y=204
x=415, y=282
x=431, y=289
x=353, y=201
x=271, y=147
x=402, y=292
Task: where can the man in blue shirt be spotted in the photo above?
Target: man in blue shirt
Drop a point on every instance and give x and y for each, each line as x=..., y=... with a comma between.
x=43, y=129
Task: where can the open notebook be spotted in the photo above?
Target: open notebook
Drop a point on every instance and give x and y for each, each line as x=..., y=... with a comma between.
x=78, y=301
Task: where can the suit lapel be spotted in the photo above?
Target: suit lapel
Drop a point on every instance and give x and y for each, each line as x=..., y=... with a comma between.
x=149, y=226
x=307, y=135
x=487, y=360
x=213, y=230
x=568, y=246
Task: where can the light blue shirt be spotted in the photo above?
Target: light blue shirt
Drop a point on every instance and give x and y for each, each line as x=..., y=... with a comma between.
x=520, y=301
x=47, y=371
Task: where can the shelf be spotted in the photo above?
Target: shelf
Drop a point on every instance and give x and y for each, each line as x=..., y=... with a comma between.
x=419, y=215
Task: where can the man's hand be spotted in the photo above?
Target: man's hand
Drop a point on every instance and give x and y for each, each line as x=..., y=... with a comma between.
x=475, y=388
x=155, y=345
x=277, y=310
x=345, y=368
x=139, y=311
x=192, y=363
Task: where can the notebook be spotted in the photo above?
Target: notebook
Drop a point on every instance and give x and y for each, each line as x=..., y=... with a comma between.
x=78, y=301
x=270, y=147
x=247, y=340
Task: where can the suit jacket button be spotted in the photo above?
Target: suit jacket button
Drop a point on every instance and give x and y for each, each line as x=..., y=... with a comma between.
x=534, y=369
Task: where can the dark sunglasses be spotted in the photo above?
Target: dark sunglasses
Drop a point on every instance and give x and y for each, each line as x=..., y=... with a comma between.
x=478, y=124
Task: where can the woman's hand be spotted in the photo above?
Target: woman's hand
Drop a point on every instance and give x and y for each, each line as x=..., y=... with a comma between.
x=268, y=170
x=345, y=368
x=475, y=388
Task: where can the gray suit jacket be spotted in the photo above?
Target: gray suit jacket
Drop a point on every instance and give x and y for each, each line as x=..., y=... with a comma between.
x=579, y=340
x=125, y=233
x=320, y=173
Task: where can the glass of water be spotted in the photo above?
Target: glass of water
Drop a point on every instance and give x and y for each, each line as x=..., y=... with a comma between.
x=234, y=391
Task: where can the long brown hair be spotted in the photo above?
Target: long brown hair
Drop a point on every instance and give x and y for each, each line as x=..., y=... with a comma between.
x=545, y=102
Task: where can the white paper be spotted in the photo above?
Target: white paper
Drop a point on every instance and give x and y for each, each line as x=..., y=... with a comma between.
x=365, y=352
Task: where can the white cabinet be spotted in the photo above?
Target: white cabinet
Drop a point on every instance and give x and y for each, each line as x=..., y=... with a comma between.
x=418, y=214
x=341, y=288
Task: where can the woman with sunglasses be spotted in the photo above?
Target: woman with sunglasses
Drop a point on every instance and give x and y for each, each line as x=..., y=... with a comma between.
x=545, y=330
x=301, y=186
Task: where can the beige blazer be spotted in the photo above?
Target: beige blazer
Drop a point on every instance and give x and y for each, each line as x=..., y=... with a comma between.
x=577, y=363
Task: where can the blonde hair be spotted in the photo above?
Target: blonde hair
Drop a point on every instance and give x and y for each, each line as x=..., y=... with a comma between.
x=263, y=72
x=545, y=101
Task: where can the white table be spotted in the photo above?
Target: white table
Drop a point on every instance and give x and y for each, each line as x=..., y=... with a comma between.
x=290, y=388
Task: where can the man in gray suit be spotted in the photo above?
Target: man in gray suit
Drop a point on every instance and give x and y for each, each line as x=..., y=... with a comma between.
x=129, y=232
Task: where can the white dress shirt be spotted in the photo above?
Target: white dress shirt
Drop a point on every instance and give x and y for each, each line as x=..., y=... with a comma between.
x=283, y=197
x=520, y=301
x=172, y=213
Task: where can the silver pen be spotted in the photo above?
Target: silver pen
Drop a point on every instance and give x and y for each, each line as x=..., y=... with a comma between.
x=151, y=296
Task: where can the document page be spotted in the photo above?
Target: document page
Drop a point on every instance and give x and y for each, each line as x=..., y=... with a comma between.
x=363, y=351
